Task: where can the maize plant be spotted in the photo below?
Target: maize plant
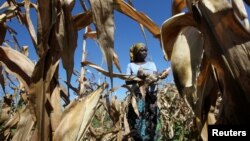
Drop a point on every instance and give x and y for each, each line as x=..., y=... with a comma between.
x=214, y=64
x=215, y=37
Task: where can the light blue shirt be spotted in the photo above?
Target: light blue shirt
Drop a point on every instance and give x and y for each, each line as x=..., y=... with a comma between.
x=148, y=67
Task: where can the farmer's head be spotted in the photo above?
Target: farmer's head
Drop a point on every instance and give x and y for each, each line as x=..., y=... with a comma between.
x=138, y=52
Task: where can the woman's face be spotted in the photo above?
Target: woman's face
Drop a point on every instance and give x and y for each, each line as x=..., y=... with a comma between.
x=141, y=55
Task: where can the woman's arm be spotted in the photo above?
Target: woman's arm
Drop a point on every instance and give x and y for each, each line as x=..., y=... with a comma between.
x=129, y=72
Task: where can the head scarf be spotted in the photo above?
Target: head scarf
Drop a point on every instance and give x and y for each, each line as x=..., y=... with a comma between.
x=134, y=49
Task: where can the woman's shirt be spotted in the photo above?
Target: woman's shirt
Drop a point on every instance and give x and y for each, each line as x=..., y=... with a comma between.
x=147, y=67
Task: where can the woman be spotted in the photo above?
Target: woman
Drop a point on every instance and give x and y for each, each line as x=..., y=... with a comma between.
x=145, y=124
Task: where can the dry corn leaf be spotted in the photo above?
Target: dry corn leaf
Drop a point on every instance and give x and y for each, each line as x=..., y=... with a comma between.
x=2, y=80
x=64, y=95
x=204, y=133
x=119, y=135
x=90, y=33
x=13, y=120
x=2, y=32
x=121, y=76
x=67, y=38
x=56, y=113
x=211, y=117
x=207, y=90
x=25, y=51
x=103, y=18
x=142, y=88
x=241, y=12
x=185, y=62
x=44, y=92
x=72, y=88
x=25, y=125
x=108, y=137
x=29, y=23
x=77, y=117
x=105, y=101
x=126, y=125
x=4, y=5
x=230, y=58
x=2, y=18
x=40, y=91
x=171, y=28
x=134, y=105
x=112, y=109
x=141, y=18
x=178, y=6
x=131, y=99
x=9, y=11
x=5, y=108
x=40, y=103
x=23, y=95
x=115, y=103
x=17, y=64
x=239, y=8
x=32, y=5
x=83, y=5
x=83, y=19
x=116, y=61
x=7, y=127
x=45, y=21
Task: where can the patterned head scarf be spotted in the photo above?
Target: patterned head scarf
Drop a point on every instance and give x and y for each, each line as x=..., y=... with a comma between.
x=134, y=49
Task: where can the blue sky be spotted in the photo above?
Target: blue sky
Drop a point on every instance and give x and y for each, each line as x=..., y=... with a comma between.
x=127, y=32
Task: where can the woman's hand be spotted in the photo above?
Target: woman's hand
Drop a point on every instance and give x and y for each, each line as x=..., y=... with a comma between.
x=141, y=74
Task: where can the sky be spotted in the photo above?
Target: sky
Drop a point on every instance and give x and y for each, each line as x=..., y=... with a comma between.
x=127, y=32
